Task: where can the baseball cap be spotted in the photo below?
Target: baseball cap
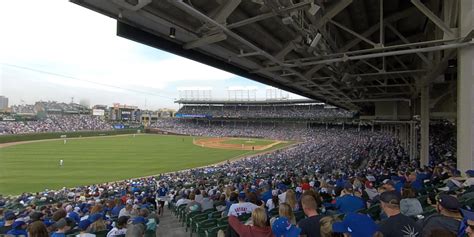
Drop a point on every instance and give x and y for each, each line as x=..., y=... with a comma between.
x=391, y=197
x=357, y=225
x=469, y=215
x=36, y=216
x=48, y=222
x=348, y=186
x=449, y=202
x=371, y=178
x=84, y=224
x=389, y=182
x=242, y=195
x=61, y=223
x=95, y=217
x=9, y=216
x=470, y=173
x=283, y=227
x=17, y=224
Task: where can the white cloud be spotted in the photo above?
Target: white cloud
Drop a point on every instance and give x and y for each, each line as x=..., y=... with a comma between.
x=61, y=37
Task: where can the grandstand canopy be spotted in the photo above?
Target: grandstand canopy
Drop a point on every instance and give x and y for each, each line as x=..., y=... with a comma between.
x=348, y=53
x=243, y=102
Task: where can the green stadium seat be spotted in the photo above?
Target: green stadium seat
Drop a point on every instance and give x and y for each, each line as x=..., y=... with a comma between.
x=201, y=227
x=150, y=233
x=428, y=211
x=244, y=217
x=196, y=219
x=212, y=232
x=187, y=220
x=299, y=215
x=373, y=212
x=216, y=214
x=102, y=233
x=273, y=212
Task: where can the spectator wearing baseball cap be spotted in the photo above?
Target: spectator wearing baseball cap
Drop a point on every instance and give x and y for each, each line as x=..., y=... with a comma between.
x=470, y=179
x=348, y=202
x=83, y=226
x=356, y=225
x=283, y=228
x=397, y=224
x=467, y=225
x=448, y=216
x=9, y=218
x=242, y=207
x=120, y=227
x=62, y=228
x=18, y=229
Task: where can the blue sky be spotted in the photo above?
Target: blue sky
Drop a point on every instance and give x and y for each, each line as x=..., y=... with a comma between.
x=56, y=50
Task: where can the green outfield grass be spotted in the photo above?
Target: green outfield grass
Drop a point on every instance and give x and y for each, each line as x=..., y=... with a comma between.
x=35, y=166
x=249, y=142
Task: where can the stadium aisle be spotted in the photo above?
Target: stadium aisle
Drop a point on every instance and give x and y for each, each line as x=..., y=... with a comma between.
x=170, y=226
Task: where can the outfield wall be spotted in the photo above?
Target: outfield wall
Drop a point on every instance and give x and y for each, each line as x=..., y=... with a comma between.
x=55, y=135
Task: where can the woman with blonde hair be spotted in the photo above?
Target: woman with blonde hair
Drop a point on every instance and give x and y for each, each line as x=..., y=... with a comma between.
x=291, y=200
x=326, y=227
x=285, y=211
x=259, y=228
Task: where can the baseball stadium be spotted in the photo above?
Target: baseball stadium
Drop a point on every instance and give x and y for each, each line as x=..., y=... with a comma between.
x=380, y=141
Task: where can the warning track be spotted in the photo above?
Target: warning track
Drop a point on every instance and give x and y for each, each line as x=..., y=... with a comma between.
x=219, y=143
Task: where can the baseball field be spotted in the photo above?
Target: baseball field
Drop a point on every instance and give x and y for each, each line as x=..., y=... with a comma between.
x=35, y=166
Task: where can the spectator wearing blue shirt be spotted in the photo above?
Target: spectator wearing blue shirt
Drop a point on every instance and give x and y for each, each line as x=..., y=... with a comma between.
x=18, y=229
x=267, y=194
x=399, y=182
x=348, y=202
x=162, y=192
x=116, y=209
x=62, y=226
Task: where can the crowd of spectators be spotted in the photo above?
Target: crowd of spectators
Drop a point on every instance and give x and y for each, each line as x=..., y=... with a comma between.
x=332, y=182
x=56, y=123
x=267, y=111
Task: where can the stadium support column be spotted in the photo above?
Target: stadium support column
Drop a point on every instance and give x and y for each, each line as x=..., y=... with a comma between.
x=465, y=104
x=425, y=124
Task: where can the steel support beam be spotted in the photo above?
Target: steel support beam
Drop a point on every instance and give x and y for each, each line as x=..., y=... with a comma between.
x=365, y=39
x=435, y=19
x=404, y=40
x=141, y=4
x=391, y=53
x=210, y=39
x=465, y=93
x=332, y=12
x=224, y=10
x=268, y=15
x=392, y=18
x=425, y=125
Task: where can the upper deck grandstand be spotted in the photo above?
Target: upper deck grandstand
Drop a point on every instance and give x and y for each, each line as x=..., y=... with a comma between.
x=291, y=109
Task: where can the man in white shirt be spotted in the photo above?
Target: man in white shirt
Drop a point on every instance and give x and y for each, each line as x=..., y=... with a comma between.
x=183, y=200
x=470, y=178
x=242, y=207
x=127, y=210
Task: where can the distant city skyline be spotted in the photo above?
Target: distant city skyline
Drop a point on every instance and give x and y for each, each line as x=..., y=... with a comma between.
x=80, y=56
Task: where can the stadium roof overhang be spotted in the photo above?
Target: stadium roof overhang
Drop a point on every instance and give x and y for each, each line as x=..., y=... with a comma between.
x=256, y=102
x=348, y=53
